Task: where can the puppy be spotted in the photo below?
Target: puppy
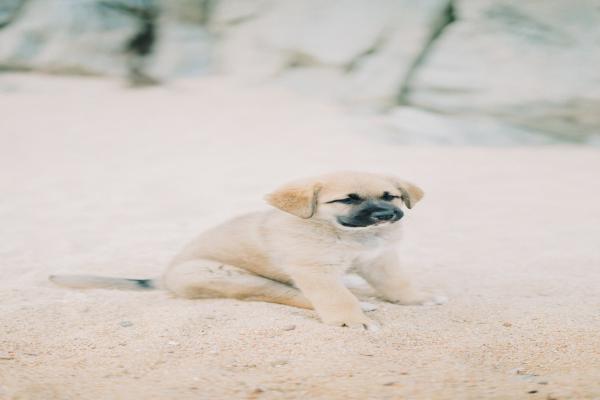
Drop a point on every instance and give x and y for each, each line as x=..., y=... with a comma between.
x=297, y=253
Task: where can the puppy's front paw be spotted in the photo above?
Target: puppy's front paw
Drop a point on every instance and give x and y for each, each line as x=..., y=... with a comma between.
x=415, y=297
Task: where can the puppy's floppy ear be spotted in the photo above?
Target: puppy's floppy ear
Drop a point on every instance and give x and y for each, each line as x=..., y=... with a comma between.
x=298, y=198
x=411, y=193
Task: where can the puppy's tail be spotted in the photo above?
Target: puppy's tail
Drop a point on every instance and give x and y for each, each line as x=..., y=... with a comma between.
x=104, y=282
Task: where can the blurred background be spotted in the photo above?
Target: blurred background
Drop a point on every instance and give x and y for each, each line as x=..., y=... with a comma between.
x=482, y=72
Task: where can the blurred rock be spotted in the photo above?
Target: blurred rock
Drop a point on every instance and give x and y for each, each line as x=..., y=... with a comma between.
x=9, y=10
x=136, y=38
x=407, y=125
x=309, y=32
x=181, y=50
x=67, y=36
x=188, y=11
x=241, y=48
x=377, y=78
x=533, y=63
x=233, y=12
x=334, y=33
x=369, y=45
x=319, y=81
x=572, y=119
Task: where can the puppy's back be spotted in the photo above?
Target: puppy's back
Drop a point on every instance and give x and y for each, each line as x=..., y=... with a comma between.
x=238, y=241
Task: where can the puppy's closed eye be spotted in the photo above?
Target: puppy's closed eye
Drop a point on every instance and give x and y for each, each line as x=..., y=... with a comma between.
x=387, y=196
x=352, y=198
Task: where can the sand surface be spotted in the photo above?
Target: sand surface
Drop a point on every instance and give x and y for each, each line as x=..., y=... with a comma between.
x=98, y=179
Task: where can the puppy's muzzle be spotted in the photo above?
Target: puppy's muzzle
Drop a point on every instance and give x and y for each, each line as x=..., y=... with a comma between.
x=371, y=214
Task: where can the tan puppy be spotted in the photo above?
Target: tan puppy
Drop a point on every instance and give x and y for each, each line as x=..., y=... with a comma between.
x=297, y=253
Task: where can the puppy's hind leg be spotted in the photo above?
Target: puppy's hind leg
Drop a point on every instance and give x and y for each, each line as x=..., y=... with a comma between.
x=210, y=279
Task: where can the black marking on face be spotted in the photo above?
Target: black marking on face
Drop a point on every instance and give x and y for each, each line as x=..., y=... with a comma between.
x=371, y=212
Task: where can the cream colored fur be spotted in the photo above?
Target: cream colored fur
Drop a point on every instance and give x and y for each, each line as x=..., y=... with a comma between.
x=295, y=254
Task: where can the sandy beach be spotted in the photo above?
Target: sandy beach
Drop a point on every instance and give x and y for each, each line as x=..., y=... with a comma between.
x=100, y=179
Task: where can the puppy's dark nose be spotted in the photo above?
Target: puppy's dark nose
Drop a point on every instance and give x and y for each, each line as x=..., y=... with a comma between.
x=384, y=215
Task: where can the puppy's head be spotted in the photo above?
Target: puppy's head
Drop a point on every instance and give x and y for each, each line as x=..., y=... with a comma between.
x=349, y=200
